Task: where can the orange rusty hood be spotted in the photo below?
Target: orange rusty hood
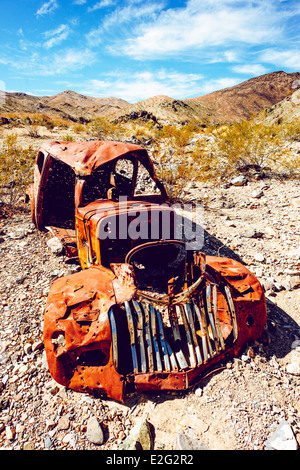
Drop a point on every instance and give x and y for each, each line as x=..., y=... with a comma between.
x=94, y=212
x=85, y=157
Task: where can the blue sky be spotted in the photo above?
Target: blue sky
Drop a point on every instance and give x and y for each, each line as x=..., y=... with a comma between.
x=136, y=49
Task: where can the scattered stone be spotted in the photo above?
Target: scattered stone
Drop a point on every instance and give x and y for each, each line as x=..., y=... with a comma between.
x=258, y=193
x=239, y=181
x=17, y=234
x=55, y=246
x=10, y=433
x=140, y=437
x=259, y=257
x=283, y=438
x=28, y=446
x=48, y=444
x=252, y=233
x=94, y=432
x=184, y=442
x=63, y=423
x=293, y=368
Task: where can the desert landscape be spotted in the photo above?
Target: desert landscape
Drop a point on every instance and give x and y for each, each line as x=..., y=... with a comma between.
x=237, y=153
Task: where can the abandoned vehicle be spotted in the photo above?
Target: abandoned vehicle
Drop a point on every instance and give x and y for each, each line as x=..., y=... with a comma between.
x=140, y=315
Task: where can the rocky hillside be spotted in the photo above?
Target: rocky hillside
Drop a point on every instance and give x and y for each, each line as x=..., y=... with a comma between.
x=230, y=104
x=287, y=110
x=166, y=110
x=247, y=99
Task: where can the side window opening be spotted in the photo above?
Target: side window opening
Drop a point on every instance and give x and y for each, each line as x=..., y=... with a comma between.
x=58, y=203
x=122, y=177
x=97, y=185
x=40, y=161
x=145, y=185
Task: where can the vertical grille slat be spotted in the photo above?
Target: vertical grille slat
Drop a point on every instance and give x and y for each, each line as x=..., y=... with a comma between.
x=193, y=332
x=203, y=333
x=210, y=317
x=192, y=355
x=154, y=337
x=191, y=336
x=148, y=337
x=140, y=335
x=232, y=311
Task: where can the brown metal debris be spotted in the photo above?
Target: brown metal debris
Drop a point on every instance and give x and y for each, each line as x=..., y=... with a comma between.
x=128, y=322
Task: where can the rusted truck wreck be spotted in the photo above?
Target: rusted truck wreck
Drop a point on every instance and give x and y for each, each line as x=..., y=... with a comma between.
x=141, y=315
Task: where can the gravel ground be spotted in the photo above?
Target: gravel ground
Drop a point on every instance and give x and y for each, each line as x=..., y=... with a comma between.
x=237, y=407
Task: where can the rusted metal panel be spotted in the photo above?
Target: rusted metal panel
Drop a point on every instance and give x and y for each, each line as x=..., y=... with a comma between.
x=85, y=157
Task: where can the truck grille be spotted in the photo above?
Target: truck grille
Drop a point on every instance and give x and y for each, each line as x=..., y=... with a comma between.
x=175, y=338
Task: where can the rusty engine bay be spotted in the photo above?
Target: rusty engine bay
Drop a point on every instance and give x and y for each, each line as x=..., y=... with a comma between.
x=140, y=316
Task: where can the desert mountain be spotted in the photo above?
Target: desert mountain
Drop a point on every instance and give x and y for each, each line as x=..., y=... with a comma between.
x=68, y=105
x=248, y=98
x=239, y=102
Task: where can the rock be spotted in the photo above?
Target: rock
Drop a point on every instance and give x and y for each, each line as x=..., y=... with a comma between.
x=10, y=433
x=252, y=233
x=55, y=246
x=70, y=438
x=17, y=234
x=37, y=345
x=48, y=444
x=28, y=446
x=295, y=344
x=94, y=432
x=63, y=423
x=282, y=439
x=183, y=442
x=293, y=368
x=140, y=437
x=268, y=286
x=259, y=257
x=239, y=181
x=257, y=193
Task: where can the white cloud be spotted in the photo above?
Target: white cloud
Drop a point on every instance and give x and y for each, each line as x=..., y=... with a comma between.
x=101, y=4
x=129, y=14
x=250, y=69
x=56, y=36
x=71, y=60
x=65, y=62
x=284, y=59
x=47, y=7
x=142, y=85
x=197, y=27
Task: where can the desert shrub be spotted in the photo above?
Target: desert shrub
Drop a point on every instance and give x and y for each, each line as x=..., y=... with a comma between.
x=180, y=137
x=68, y=138
x=247, y=144
x=33, y=131
x=16, y=170
x=291, y=130
x=79, y=128
x=102, y=128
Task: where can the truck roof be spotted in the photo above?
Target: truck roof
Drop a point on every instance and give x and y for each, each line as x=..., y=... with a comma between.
x=85, y=157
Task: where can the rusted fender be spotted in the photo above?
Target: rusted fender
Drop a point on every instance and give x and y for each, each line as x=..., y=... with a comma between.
x=77, y=333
